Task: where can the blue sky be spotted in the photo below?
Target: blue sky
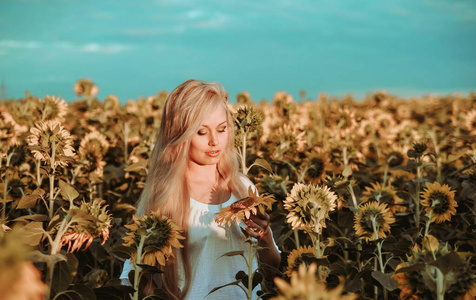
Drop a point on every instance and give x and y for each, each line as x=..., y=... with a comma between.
x=136, y=48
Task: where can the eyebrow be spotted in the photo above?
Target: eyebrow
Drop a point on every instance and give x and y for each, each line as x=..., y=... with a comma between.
x=217, y=126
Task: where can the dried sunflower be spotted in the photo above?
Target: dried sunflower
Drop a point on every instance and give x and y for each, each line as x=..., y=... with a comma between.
x=363, y=220
x=161, y=236
x=304, y=286
x=309, y=206
x=244, y=207
x=84, y=233
x=95, y=139
x=50, y=136
x=439, y=199
x=383, y=194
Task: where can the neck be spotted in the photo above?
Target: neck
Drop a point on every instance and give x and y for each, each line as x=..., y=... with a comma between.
x=202, y=174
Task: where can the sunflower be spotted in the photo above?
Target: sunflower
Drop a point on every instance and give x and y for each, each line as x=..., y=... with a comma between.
x=94, y=139
x=286, y=141
x=316, y=164
x=83, y=233
x=302, y=255
x=419, y=281
x=309, y=206
x=304, y=286
x=52, y=108
x=440, y=200
x=470, y=122
x=383, y=194
x=339, y=185
x=161, y=236
x=244, y=207
x=85, y=87
x=48, y=135
x=363, y=221
x=345, y=121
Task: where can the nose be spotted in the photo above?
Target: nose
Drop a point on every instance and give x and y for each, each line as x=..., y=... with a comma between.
x=213, y=141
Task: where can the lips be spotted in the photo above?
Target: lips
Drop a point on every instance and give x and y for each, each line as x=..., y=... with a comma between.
x=213, y=153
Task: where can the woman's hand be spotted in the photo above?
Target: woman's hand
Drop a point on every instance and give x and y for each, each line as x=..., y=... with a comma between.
x=257, y=225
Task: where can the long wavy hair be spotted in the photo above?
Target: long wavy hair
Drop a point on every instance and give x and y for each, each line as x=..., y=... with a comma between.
x=166, y=188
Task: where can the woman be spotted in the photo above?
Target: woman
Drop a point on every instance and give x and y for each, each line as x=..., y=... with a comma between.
x=193, y=173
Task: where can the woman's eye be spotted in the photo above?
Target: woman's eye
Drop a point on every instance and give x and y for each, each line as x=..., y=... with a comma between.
x=223, y=129
x=200, y=132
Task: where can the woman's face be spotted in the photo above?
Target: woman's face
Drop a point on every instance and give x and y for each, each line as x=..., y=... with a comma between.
x=209, y=143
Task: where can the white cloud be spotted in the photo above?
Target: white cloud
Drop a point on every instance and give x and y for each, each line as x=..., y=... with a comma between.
x=115, y=48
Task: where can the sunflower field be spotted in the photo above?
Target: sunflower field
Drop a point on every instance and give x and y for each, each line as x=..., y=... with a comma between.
x=370, y=199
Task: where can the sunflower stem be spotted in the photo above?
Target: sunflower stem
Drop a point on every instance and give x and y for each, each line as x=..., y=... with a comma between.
x=440, y=285
x=352, y=194
x=316, y=239
x=126, y=135
x=5, y=189
x=427, y=227
x=296, y=237
x=250, y=270
x=137, y=268
x=52, y=179
x=417, y=201
x=243, y=152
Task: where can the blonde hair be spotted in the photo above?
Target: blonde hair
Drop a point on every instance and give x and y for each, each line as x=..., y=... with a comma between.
x=166, y=187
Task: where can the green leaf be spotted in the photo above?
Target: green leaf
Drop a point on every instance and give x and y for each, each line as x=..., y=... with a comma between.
x=68, y=192
x=65, y=271
x=385, y=280
x=447, y=262
x=28, y=201
x=32, y=233
x=233, y=253
x=262, y=163
x=122, y=251
x=237, y=283
x=137, y=167
x=37, y=256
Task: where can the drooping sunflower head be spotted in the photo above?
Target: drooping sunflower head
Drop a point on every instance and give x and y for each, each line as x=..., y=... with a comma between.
x=248, y=121
x=345, y=121
x=418, y=149
x=85, y=87
x=244, y=98
x=51, y=108
x=470, y=121
x=286, y=141
x=50, y=136
x=309, y=206
x=439, y=199
x=95, y=139
x=243, y=208
x=302, y=255
x=340, y=185
x=83, y=233
x=284, y=105
x=383, y=194
x=419, y=282
x=111, y=104
x=161, y=237
x=370, y=213
x=305, y=286
x=316, y=164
